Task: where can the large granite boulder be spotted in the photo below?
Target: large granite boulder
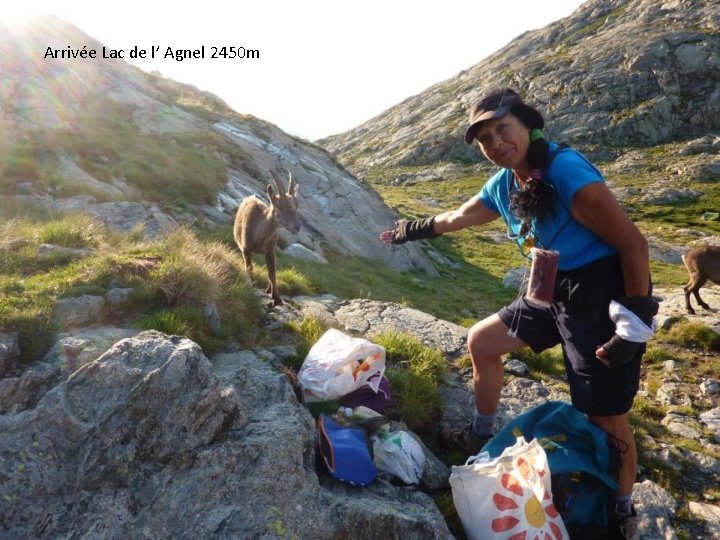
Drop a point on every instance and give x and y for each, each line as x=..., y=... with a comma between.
x=152, y=439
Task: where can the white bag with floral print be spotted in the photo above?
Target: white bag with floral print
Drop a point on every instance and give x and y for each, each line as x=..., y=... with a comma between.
x=507, y=498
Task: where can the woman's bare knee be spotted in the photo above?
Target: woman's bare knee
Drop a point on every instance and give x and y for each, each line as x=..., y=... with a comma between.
x=488, y=340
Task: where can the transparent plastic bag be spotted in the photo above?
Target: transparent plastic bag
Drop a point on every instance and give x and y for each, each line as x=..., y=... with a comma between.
x=339, y=364
x=400, y=454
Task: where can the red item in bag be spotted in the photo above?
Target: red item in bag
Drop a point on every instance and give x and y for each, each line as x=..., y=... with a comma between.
x=543, y=271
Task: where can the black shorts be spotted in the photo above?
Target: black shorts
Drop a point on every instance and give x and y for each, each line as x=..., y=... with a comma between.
x=578, y=319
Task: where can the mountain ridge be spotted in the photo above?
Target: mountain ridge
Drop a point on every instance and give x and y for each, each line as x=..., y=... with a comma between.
x=611, y=74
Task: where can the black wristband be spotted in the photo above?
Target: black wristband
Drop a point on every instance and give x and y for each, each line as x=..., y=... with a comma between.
x=620, y=351
x=416, y=229
x=645, y=307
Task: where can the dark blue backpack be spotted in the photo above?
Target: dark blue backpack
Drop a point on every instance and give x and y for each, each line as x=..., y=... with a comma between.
x=583, y=459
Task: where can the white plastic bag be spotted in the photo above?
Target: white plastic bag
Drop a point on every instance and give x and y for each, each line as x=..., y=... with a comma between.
x=507, y=496
x=338, y=364
x=399, y=454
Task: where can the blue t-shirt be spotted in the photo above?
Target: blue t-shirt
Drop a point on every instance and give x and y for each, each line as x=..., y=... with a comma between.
x=569, y=172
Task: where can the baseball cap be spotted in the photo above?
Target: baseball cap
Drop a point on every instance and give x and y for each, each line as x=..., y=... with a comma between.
x=495, y=105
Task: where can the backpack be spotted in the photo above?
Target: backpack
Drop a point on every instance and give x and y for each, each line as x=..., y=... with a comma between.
x=584, y=462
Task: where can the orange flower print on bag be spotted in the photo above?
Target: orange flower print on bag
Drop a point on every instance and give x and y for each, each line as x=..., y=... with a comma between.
x=534, y=514
x=507, y=497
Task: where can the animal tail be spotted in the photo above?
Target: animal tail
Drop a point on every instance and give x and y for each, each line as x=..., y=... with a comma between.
x=685, y=261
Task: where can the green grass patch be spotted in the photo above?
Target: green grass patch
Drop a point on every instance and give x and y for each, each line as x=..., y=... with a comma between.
x=290, y=281
x=464, y=362
x=81, y=289
x=668, y=275
x=416, y=400
x=415, y=372
x=473, y=292
x=697, y=446
x=172, y=281
x=194, y=274
x=21, y=238
x=189, y=322
x=655, y=355
x=36, y=331
x=170, y=322
x=72, y=231
x=645, y=410
x=549, y=362
x=405, y=351
x=691, y=334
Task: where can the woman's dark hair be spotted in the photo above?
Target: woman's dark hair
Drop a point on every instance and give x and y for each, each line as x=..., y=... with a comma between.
x=535, y=198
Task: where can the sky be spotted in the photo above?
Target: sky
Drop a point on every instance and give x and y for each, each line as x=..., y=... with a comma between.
x=314, y=68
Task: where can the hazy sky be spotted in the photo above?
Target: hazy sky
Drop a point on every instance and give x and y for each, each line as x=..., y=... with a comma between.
x=321, y=66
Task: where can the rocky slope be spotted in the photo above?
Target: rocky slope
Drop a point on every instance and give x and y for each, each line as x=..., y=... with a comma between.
x=116, y=434
x=49, y=102
x=614, y=73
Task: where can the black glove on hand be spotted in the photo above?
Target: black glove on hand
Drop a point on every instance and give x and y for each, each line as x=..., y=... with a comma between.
x=620, y=351
x=416, y=229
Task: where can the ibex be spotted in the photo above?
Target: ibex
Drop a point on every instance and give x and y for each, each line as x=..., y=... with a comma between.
x=703, y=263
x=256, y=226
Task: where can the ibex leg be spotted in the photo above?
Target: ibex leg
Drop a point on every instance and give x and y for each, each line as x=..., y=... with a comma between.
x=247, y=256
x=272, y=284
x=696, y=292
x=693, y=287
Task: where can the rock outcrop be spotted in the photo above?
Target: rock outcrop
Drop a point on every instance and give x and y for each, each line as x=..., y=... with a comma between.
x=117, y=434
x=152, y=438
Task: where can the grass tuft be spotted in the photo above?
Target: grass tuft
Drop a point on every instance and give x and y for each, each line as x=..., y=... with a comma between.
x=656, y=355
x=415, y=372
x=692, y=335
x=173, y=280
x=416, y=399
x=549, y=362
x=73, y=231
x=404, y=351
x=170, y=322
x=308, y=331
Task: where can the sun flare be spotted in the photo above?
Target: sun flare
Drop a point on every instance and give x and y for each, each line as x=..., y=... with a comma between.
x=16, y=16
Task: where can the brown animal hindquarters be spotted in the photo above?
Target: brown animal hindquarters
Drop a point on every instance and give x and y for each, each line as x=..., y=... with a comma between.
x=703, y=264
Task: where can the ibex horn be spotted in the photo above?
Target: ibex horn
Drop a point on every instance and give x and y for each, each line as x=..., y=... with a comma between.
x=291, y=182
x=279, y=184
